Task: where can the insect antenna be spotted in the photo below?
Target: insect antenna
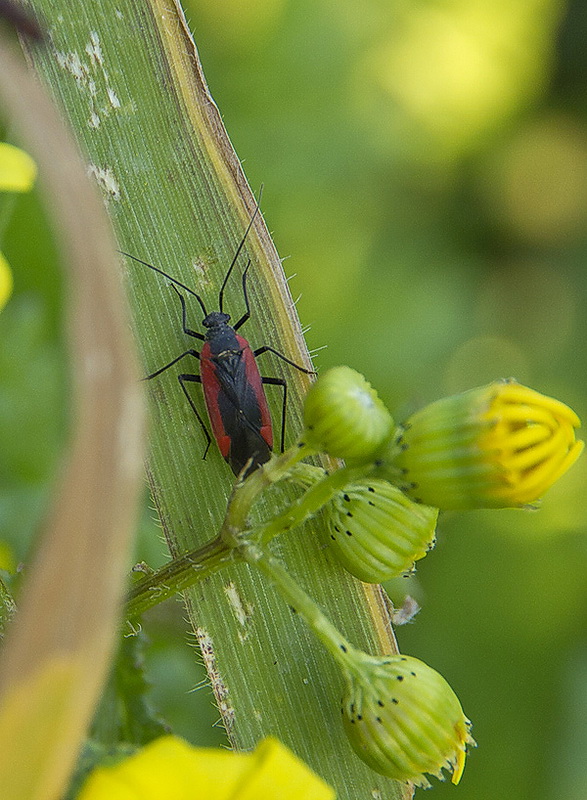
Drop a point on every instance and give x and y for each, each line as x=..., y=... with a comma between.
x=238, y=250
x=173, y=280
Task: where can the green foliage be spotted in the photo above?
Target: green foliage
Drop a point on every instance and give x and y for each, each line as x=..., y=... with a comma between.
x=7, y=604
x=430, y=277
x=126, y=715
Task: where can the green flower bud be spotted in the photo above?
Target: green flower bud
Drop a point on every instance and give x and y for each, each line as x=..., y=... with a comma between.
x=377, y=532
x=497, y=446
x=344, y=416
x=403, y=719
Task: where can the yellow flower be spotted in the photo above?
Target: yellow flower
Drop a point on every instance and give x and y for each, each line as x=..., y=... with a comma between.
x=5, y=281
x=403, y=719
x=17, y=169
x=498, y=446
x=171, y=769
x=17, y=174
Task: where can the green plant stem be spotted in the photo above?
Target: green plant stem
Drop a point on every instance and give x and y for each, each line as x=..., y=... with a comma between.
x=339, y=648
x=179, y=574
x=194, y=566
x=245, y=493
x=309, y=503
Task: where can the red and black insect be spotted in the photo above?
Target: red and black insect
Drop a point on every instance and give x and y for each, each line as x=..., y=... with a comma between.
x=230, y=378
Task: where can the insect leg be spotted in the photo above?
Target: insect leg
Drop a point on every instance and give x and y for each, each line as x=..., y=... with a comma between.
x=267, y=349
x=279, y=382
x=186, y=378
x=184, y=321
x=193, y=353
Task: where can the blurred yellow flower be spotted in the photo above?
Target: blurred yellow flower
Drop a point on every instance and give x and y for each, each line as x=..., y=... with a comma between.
x=171, y=769
x=501, y=445
x=5, y=281
x=17, y=169
x=17, y=174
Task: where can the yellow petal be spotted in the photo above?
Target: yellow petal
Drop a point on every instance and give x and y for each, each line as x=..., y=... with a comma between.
x=5, y=281
x=169, y=769
x=17, y=169
x=279, y=775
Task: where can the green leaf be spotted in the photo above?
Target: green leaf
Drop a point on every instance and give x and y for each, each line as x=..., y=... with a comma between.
x=7, y=604
x=126, y=714
x=129, y=79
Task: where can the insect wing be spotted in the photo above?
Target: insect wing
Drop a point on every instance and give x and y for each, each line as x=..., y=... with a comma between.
x=237, y=406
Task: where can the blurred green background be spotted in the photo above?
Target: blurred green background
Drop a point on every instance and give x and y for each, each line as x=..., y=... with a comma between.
x=425, y=171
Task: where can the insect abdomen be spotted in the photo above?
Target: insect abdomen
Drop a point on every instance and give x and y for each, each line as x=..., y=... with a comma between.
x=237, y=406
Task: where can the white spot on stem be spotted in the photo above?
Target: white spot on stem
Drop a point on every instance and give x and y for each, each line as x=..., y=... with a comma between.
x=242, y=610
x=106, y=181
x=218, y=686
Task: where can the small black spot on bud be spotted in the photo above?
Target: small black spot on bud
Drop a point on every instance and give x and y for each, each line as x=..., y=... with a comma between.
x=380, y=703
x=395, y=701
x=379, y=719
x=352, y=721
x=348, y=533
x=371, y=503
x=301, y=444
x=332, y=536
x=403, y=446
x=413, y=673
x=343, y=648
x=370, y=489
x=403, y=658
x=359, y=717
x=349, y=514
x=337, y=529
x=346, y=498
x=399, y=678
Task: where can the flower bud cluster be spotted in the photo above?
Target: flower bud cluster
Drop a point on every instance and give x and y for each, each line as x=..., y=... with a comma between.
x=497, y=446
